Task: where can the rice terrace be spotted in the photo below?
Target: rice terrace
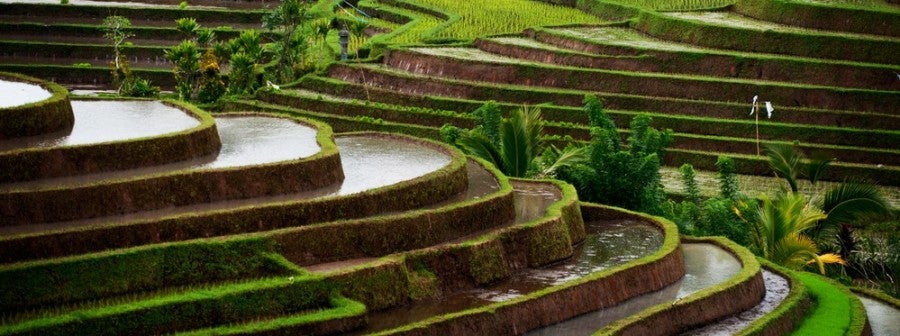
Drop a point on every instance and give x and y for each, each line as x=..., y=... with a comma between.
x=450, y=167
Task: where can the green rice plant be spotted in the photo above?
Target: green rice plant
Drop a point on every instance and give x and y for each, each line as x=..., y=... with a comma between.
x=675, y=5
x=410, y=32
x=831, y=315
x=479, y=18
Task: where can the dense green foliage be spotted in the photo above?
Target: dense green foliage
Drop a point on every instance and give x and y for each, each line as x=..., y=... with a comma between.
x=289, y=19
x=511, y=144
x=613, y=174
x=724, y=215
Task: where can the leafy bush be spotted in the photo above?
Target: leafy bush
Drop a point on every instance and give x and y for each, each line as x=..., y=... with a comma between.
x=616, y=176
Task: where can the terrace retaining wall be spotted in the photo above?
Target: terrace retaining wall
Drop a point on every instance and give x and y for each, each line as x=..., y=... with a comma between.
x=46, y=162
x=175, y=189
x=642, y=84
x=53, y=114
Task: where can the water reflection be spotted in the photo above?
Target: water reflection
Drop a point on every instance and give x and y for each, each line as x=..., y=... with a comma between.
x=705, y=265
x=112, y=120
x=884, y=319
x=606, y=245
x=18, y=93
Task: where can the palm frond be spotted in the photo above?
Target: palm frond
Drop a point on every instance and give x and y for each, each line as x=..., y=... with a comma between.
x=849, y=202
x=514, y=145
x=567, y=157
x=785, y=161
x=476, y=144
x=816, y=167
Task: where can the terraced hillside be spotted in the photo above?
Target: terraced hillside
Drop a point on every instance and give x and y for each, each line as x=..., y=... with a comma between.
x=301, y=210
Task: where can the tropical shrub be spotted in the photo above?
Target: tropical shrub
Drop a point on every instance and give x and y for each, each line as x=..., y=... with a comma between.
x=289, y=20
x=615, y=175
x=724, y=215
x=778, y=233
x=116, y=29
x=511, y=144
x=186, y=59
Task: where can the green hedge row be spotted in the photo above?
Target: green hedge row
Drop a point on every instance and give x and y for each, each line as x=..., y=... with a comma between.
x=38, y=49
x=83, y=31
x=53, y=114
x=44, y=162
x=177, y=188
x=383, y=235
x=784, y=318
x=65, y=281
x=227, y=304
x=758, y=165
x=542, y=307
x=342, y=316
x=741, y=292
x=675, y=108
x=768, y=41
x=209, y=17
x=428, y=189
x=830, y=16
x=93, y=76
x=373, y=109
x=609, y=10
x=341, y=123
x=589, y=53
x=638, y=83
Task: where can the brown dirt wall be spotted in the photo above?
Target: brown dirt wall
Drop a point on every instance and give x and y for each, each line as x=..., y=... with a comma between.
x=343, y=109
x=736, y=111
x=708, y=64
x=207, y=17
x=596, y=80
x=834, y=18
x=768, y=41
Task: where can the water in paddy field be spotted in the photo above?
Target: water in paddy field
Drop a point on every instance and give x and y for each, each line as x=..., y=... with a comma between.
x=252, y=140
x=18, y=93
x=777, y=288
x=884, y=318
x=246, y=140
x=607, y=244
x=705, y=265
x=532, y=199
x=112, y=120
x=371, y=161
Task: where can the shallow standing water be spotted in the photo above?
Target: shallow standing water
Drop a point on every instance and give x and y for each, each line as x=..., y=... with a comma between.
x=777, y=288
x=606, y=245
x=704, y=265
x=112, y=120
x=370, y=162
x=246, y=140
x=250, y=140
x=19, y=93
x=884, y=319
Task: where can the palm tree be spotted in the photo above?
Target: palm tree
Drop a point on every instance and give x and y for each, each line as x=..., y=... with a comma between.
x=779, y=233
x=517, y=146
